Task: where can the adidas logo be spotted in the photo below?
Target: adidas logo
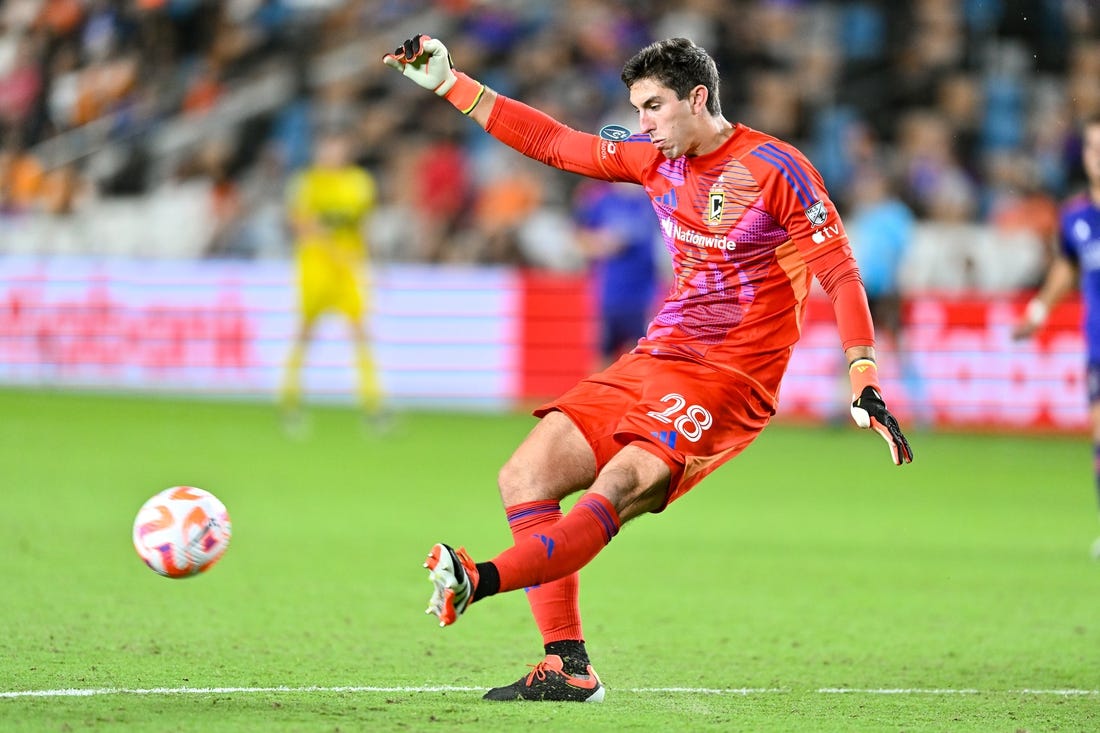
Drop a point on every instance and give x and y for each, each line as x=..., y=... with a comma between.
x=548, y=543
x=668, y=437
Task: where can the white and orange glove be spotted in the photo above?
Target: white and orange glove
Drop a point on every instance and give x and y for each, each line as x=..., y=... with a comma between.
x=427, y=62
x=869, y=410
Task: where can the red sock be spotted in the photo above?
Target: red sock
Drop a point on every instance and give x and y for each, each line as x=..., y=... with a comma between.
x=560, y=549
x=555, y=605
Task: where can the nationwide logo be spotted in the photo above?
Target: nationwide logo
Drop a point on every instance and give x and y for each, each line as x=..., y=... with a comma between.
x=672, y=230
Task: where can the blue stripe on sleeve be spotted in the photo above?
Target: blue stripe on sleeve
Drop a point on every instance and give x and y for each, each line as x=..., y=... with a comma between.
x=796, y=169
x=767, y=157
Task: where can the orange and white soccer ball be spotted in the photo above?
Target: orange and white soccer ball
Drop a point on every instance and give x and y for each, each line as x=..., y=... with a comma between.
x=182, y=531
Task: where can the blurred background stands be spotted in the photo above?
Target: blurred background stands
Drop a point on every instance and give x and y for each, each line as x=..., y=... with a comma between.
x=168, y=128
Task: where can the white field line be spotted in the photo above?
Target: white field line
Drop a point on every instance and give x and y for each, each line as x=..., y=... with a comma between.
x=91, y=692
x=934, y=691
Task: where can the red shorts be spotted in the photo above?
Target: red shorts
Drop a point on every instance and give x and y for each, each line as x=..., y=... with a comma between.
x=693, y=417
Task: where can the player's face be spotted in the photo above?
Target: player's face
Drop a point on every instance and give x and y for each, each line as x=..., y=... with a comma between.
x=333, y=151
x=1090, y=152
x=669, y=122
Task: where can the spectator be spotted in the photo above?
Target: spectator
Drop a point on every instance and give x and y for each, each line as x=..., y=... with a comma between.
x=20, y=84
x=919, y=74
x=1020, y=209
x=880, y=228
x=20, y=180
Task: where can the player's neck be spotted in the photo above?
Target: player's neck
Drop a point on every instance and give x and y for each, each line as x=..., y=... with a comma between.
x=715, y=136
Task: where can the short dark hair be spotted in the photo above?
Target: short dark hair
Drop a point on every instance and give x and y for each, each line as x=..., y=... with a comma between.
x=678, y=64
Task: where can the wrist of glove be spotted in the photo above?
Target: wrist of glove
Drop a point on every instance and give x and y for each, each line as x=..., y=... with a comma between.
x=426, y=61
x=869, y=410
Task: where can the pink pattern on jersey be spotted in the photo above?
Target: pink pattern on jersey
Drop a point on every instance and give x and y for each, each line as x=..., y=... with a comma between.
x=673, y=170
x=705, y=303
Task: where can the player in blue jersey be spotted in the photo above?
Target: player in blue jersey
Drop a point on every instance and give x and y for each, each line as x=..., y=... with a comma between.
x=1077, y=264
x=615, y=232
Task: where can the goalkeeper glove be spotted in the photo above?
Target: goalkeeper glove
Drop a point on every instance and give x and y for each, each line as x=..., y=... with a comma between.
x=869, y=410
x=427, y=62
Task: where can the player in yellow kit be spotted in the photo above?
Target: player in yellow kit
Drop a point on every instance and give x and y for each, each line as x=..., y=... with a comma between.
x=328, y=204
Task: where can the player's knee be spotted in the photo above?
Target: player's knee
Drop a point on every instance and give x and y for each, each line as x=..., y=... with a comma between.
x=630, y=497
x=511, y=481
x=534, y=474
x=636, y=483
x=520, y=481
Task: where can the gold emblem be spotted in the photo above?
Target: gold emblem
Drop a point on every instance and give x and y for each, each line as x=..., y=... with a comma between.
x=715, y=205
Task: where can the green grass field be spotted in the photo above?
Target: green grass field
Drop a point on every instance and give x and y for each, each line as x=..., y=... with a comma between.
x=807, y=586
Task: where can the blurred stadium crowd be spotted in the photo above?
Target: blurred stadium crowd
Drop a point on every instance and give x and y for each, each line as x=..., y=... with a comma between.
x=170, y=127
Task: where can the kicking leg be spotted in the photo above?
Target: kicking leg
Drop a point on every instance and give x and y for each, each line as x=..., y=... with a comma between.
x=551, y=463
x=634, y=482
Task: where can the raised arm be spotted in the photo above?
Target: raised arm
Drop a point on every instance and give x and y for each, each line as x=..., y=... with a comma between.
x=426, y=61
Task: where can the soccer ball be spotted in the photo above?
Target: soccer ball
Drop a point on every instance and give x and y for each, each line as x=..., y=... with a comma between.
x=182, y=531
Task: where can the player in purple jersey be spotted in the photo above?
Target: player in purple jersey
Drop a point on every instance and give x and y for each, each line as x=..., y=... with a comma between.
x=615, y=233
x=1077, y=264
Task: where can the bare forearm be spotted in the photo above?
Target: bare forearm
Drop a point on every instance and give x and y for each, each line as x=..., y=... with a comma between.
x=1060, y=281
x=484, y=108
x=853, y=353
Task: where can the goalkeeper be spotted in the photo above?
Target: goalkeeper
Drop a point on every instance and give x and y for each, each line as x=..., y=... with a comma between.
x=748, y=223
x=328, y=203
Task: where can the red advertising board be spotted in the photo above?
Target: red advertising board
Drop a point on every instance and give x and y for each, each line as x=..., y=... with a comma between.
x=957, y=365
x=489, y=337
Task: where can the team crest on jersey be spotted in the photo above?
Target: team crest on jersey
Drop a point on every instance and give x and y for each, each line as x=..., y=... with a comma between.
x=614, y=133
x=817, y=214
x=715, y=203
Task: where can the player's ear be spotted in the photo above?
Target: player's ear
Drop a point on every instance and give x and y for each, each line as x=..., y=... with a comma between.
x=697, y=98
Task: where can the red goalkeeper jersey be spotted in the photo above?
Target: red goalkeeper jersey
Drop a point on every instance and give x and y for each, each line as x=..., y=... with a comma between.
x=747, y=226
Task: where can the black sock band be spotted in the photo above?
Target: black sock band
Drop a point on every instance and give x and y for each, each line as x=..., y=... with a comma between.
x=488, y=581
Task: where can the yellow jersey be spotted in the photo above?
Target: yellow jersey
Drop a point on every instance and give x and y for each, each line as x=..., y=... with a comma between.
x=337, y=199
x=332, y=204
